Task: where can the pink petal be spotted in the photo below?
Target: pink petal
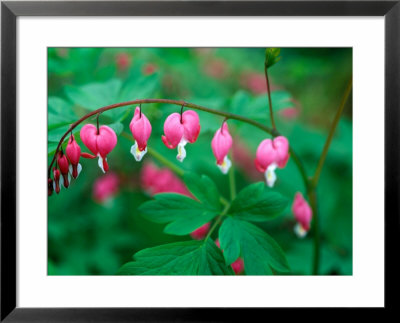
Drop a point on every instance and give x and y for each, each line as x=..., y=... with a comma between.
x=302, y=211
x=191, y=123
x=221, y=143
x=141, y=129
x=106, y=141
x=173, y=130
x=265, y=155
x=73, y=151
x=88, y=136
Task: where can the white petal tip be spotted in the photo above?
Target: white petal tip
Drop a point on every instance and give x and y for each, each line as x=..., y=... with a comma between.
x=100, y=163
x=225, y=166
x=137, y=154
x=181, y=151
x=299, y=231
x=270, y=176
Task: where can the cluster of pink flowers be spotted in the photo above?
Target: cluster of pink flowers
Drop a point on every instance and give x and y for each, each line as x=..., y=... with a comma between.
x=105, y=187
x=179, y=130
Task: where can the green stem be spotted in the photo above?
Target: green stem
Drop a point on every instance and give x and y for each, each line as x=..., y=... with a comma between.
x=271, y=113
x=312, y=195
x=165, y=101
x=218, y=220
x=331, y=133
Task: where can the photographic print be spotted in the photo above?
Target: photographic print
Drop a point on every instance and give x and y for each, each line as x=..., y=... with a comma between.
x=199, y=161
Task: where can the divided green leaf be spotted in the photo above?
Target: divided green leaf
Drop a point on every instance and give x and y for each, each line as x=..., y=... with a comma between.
x=259, y=251
x=204, y=189
x=257, y=203
x=183, y=214
x=179, y=258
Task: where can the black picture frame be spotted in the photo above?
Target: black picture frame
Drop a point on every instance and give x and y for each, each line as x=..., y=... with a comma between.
x=10, y=10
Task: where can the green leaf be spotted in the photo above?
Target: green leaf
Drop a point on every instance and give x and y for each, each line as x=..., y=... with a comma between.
x=179, y=258
x=257, y=203
x=272, y=56
x=94, y=95
x=183, y=213
x=140, y=88
x=204, y=189
x=260, y=252
x=59, y=113
x=118, y=127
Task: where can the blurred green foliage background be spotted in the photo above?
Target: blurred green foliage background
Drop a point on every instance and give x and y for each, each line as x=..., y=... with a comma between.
x=91, y=237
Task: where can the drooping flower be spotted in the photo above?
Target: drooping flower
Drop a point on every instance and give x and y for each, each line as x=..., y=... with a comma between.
x=141, y=129
x=201, y=232
x=105, y=187
x=73, y=152
x=50, y=186
x=237, y=265
x=221, y=144
x=63, y=165
x=303, y=215
x=181, y=129
x=272, y=154
x=100, y=143
x=56, y=183
x=161, y=180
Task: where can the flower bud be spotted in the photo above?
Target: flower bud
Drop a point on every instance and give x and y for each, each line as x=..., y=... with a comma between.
x=56, y=176
x=73, y=152
x=63, y=165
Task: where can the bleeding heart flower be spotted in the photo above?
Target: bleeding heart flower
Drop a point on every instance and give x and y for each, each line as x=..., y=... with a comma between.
x=270, y=155
x=221, y=144
x=63, y=165
x=141, y=129
x=56, y=183
x=179, y=130
x=50, y=186
x=73, y=152
x=155, y=180
x=201, y=232
x=100, y=143
x=105, y=187
x=303, y=215
x=237, y=265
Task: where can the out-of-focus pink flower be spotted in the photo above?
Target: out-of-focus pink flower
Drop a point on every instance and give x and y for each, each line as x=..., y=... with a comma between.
x=221, y=144
x=270, y=155
x=123, y=61
x=255, y=82
x=73, y=152
x=161, y=180
x=216, y=68
x=244, y=158
x=105, y=187
x=201, y=232
x=289, y=113
x=237, y=265
x=63, y=165
x=303, y=215
x=141, y=130
x=149, y=69
x=181, y=129
x=100, y=144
